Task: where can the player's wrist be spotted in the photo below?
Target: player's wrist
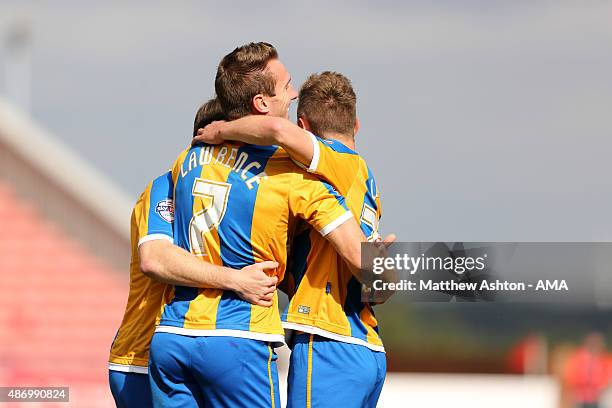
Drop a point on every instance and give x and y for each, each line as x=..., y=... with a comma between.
x=229, y=279
x=224, y=130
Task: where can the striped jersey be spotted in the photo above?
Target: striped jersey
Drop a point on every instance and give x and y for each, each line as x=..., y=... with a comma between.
x=235, y=205
x=151, y=219
x=325, y=298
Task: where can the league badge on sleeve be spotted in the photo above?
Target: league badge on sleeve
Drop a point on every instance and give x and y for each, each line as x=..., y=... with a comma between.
x=165, y=209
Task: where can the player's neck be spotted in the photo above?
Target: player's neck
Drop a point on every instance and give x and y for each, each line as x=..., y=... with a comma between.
x=347, y=140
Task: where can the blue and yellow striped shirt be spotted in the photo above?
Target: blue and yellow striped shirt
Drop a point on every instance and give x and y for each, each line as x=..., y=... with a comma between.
x=325, y=298
x=236, y=205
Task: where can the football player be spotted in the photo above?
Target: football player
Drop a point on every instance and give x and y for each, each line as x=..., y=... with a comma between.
x=157, y=262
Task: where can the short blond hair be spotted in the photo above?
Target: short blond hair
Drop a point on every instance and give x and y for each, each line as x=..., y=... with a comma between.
x=328, y=101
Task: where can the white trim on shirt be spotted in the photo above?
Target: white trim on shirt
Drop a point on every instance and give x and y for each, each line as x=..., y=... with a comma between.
x=277, y=339
x=336, y=223
x=153, y=237
x=126, y=368
x=316, y=153
x=334, y=336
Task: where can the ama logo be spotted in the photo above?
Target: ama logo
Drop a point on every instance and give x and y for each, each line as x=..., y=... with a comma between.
x=165, y=209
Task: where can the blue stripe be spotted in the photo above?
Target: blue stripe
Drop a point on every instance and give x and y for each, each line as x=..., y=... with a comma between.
x=161, y=191
x=299, y=255
x=369, y=199
x=175, y=311
x=297, y=262
x=337, y=146
x=335, y=193
x=353, y=307
x=235, y=236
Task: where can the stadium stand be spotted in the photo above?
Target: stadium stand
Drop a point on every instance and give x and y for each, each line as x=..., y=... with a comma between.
x=64, y=256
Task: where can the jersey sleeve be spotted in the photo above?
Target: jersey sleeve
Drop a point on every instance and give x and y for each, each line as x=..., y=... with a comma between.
x=154, y=211
x=318, y=203
x=335, y=163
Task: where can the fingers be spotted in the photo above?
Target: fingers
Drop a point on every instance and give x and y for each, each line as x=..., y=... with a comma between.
x=264, y=303
x=266, y=300
x=389, y=238
x=202, y=136
x=266, y=265
x=260, y=287
x=382, y=245
x=208, y=134
x=198, y=138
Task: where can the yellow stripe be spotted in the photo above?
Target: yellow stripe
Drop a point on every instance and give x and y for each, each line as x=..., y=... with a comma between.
x=270, y=375
x=309, y=375
x=143, y=223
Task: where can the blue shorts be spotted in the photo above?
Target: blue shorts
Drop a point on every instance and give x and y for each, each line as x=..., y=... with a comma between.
x=212, y=372
x=330, y=373
x=130, y=389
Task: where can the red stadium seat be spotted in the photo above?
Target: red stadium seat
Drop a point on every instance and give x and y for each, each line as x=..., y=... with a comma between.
x=59, y=307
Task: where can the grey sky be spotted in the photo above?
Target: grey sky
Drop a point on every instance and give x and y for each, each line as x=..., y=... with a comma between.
x=482, y=120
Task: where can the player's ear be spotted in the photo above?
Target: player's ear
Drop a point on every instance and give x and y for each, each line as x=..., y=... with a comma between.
x=303, y=123
x=357, y=126
x=259, y=105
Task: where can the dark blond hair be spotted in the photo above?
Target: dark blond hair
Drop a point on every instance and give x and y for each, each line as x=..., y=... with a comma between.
x=241, y=75
x=328, y=101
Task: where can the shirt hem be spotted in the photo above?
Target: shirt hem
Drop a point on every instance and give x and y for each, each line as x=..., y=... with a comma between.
x=334, y=336
x=278, y=340
x=128, y=368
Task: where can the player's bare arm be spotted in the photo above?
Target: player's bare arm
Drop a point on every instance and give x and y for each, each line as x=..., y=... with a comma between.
x=262, y=130
x=168, y=263
x=347, y=239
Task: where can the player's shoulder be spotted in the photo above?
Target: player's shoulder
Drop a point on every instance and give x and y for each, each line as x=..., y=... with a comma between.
x=280, y=159
x=267, y=151
x=163, y=179
x=369, y=171
x=349, y=158
x=220, y=153
x=181, y=156
x=160, y=185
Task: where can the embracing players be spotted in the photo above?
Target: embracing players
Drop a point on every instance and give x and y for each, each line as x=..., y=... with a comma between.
x=240, y=204
x=235, y=205
x=338, y=357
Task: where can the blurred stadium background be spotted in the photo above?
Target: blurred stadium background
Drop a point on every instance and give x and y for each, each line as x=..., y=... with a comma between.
x=64, y=213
